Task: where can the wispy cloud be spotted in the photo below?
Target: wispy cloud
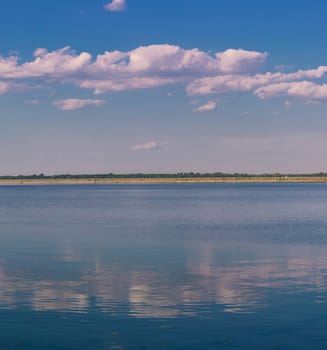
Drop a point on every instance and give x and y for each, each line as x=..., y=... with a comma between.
x=116, y=5
x=284, y=67
x=76, y=103
x=12, y=86
x=32, y=102
x=209, y=106
x=151, y=145
x=5, y=87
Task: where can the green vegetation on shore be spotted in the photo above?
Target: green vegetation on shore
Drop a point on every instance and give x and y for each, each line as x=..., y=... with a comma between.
x=181, y=175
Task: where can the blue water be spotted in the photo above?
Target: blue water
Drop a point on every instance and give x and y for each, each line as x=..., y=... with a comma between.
x=210, y=266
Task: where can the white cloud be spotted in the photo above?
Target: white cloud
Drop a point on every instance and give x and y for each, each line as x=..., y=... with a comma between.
x=60, y=63
x=141, y=68
x=305, y=90
x=76, y=103
x=164, y=58
x=235, y=82
x=116, y=5
x=56, y=64
x=146, y=67
x=8, y=65
x=170, y=58
x=209, y=106
x=237, y=61
x=157, y=65
x=151, y=145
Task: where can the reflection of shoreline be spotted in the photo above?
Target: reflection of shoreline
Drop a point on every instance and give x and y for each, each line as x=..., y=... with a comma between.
x=239, y=286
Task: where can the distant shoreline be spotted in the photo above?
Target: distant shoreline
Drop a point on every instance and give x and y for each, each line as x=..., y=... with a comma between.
x=168, y=180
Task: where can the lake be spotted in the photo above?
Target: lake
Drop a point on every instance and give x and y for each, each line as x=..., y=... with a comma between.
x=185, y=266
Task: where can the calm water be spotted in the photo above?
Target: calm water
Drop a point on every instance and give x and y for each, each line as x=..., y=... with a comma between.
x=239, y=266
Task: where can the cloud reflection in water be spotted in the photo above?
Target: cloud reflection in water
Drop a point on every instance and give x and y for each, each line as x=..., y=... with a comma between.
x=203, y=278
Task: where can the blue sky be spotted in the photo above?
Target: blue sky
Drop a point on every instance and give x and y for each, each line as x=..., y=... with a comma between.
x=91, y=86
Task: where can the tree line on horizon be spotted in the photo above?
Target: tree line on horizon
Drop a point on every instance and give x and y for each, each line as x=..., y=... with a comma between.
x=155, y=175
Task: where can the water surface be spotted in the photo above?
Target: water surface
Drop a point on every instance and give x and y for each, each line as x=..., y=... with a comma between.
x=187, y=266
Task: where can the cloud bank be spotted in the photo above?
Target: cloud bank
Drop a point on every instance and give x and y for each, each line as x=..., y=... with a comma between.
x=202, y=73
